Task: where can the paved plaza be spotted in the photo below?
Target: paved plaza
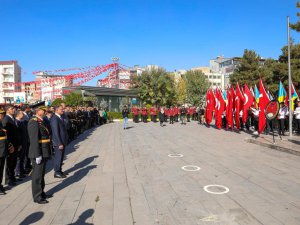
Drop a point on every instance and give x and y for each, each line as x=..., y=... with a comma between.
x=135, y=177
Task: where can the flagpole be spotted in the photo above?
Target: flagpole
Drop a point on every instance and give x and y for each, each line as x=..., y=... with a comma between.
x=290, y=79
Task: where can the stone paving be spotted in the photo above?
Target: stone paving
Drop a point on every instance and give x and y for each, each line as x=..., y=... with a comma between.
x=125, y=177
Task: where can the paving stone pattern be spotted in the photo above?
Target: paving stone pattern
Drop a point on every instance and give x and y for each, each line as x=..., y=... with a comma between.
x=125, y=177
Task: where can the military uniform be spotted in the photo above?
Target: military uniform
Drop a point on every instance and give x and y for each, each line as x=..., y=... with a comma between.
x=3, y=153
x=39, y=137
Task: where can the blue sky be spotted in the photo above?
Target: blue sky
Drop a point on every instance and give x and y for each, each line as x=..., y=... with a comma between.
x=56, y=34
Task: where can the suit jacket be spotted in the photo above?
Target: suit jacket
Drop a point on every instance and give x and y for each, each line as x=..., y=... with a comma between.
x=59, y=131
x=12, y=131
x=23, y=137
x=39, y=139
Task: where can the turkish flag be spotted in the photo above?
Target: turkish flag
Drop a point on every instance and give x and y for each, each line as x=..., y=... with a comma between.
x=229, y=109
x=263, y=101
x=209, y=106
x=220, y=108
x=239, y=92
x=237, y=102
x=248, y=101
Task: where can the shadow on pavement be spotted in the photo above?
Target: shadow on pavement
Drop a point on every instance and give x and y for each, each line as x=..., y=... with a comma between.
x=32, y=218
x=78, y=175
x=82, y=164
x=83, y=217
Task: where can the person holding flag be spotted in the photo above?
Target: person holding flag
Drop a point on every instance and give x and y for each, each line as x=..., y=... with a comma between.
x=210, y=102
x=249, y=98
x=264, y=99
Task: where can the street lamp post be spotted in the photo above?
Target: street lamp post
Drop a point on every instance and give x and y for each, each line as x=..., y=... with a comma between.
x=290, y=79
x=116, y=60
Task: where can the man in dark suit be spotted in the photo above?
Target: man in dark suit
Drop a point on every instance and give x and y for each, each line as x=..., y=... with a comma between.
x=23, y=139
x=59, y=140
x=9, y=124
x=39, y=152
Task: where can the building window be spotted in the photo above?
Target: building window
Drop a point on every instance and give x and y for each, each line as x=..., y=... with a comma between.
x=214, y=77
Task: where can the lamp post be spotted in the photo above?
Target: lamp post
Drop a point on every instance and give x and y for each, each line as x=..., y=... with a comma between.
x=290, y=79
x=116, y=60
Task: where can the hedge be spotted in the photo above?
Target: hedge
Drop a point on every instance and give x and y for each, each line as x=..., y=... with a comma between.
x=116, y=115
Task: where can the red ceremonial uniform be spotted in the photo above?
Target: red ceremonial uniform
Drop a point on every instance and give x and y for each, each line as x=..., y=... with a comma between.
x=135, y=111
x=144, y=111
x=171, y=112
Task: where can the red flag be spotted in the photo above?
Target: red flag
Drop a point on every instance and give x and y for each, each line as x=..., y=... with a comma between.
x=229, y=109
x=239, y=92
x=247, y=103
x=237, y=111
x=263, y=101
x=209, y=106
x=220, y=108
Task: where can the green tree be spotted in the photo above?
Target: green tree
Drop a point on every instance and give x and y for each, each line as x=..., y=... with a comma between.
x=248, y=69
x=155, y=86
x=181, y=90
x=281, y=68
x=296, y=26
x=74, y=99
x=57, y=102
x=196, y=86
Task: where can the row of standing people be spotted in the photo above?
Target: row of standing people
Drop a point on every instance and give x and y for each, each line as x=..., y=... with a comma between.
x=172, y=113
x=281, y=122
x=164, y=114
x=29, y=137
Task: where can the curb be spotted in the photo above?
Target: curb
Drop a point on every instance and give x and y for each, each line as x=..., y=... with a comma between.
x=273, y=146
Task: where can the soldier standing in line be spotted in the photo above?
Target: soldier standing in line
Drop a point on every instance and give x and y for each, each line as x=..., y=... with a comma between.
x=152, y=109
x=176, y=113
x=39, y=152
x=3, y=151
x=188, y=114
x=135, y=112
x=144, y=114
x=9, y=124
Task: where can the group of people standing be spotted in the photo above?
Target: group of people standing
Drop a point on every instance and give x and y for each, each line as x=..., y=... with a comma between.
x=30, y=136
x=164, y=114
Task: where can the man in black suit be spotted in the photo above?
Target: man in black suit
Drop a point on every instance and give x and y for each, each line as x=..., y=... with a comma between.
x=23, y=140
x=3, y=151
x=9, y=124
x=59, y=140
x=39, y=152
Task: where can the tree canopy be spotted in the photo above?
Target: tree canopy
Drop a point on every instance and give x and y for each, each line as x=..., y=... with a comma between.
x=155, y=87
x=296, y=26
x=196, y=86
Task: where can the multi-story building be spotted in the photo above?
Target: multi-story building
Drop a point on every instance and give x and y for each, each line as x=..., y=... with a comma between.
x=49, y=87
x=10, y=76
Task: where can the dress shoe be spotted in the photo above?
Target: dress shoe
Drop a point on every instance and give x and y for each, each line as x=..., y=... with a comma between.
x=2, y=190
x=41, y=201
x=59, y=175
x=20, y=176
x=11, y=183
x=45, y=196
x=65, y=173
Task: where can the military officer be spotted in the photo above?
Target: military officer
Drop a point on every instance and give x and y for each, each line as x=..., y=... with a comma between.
x=3, y=150
x=39, y=152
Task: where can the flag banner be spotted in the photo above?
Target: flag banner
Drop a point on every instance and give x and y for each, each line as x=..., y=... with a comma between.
x=247, y=103
x=263, y=101
x=281, y=93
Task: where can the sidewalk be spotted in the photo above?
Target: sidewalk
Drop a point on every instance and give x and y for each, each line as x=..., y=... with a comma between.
x=285, y=144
